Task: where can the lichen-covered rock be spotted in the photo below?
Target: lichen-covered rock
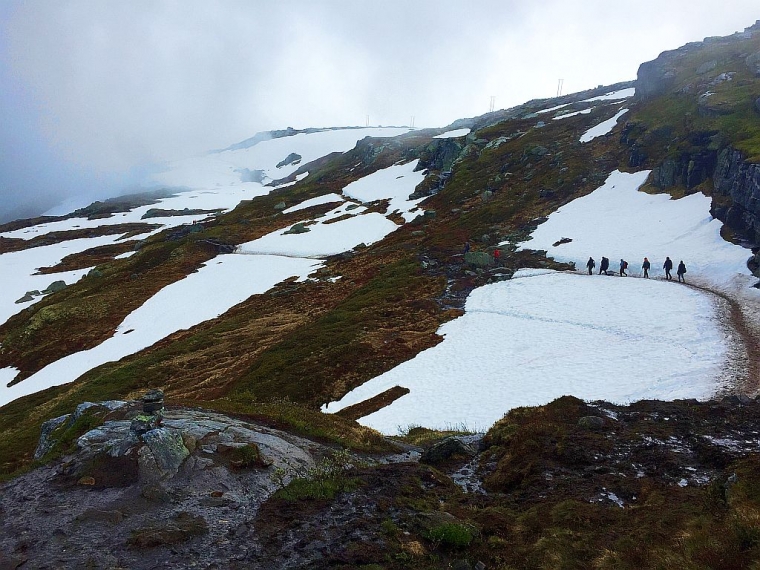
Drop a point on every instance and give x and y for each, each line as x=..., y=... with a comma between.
x=167, y=450
x=478, y=258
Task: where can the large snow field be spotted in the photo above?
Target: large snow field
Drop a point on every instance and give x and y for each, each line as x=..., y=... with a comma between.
x=544, y=334
x=220, y=284
x=618, y=221
x=527, y=341
x=602, y=128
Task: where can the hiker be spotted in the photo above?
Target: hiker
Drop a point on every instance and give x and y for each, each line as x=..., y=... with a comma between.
x=623, y=267
x=681, y=270
x=466, y=247
x=645, y=266
x=604, y=265
x=496, y=256
x=667, y=266
x=590, y=264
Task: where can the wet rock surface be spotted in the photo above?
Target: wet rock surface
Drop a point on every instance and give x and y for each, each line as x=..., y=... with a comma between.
x=179, y=496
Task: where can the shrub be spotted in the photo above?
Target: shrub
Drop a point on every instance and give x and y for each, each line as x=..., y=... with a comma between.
x=452, y=535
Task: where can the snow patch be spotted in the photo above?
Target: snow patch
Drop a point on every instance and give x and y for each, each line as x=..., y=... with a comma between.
x=602, y=128
x=453, y=134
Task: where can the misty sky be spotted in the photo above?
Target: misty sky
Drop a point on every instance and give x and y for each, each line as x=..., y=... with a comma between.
x=94, y=91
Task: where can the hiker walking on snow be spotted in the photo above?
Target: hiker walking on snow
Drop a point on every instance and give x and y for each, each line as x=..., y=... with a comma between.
x=590, y=264
x=604, y=265
x=623, y=267
x=681, y=270
x=645, y=266
x=667, y=266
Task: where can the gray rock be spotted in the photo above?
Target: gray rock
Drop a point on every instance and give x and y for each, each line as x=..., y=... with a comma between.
x=54, y=287
x=449, y=448
x=45, y=444
x=153, y=401
x=591, y=422
x=292, y=158
x=145, y=422
x=25, y=299
x=478, y=258
x=707, y=66
x=167, y=448
x=280, y=206
x=299, y=228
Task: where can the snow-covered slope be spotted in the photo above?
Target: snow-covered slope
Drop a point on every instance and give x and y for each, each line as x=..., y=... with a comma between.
x=226, y=280
x=544, y=334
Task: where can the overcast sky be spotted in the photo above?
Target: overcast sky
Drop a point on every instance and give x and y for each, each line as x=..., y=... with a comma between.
x=93, y=91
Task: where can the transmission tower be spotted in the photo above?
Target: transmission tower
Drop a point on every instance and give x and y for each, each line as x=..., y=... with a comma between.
x=560, y=83
x=492, y=104
x=367, y=123
x=411, y=122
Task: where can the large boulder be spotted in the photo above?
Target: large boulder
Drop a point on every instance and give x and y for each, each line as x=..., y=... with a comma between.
x=446, y=450
x=164, y=453
x=478, y=258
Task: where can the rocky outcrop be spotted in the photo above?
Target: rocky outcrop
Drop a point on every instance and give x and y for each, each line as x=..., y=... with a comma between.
x=292, y=158
x=117, y=496
x=739, y=181
x=655, y=77
x=688, y=170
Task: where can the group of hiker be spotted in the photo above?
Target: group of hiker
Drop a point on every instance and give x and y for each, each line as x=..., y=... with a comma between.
x=645, y=266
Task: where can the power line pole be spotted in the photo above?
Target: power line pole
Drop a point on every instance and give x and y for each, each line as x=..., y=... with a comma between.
x=492, y=104
x=559, y=87
x=411, y=122
x=367, y=123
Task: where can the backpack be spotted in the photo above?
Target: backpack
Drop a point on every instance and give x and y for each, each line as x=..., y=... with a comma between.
x=625, y=265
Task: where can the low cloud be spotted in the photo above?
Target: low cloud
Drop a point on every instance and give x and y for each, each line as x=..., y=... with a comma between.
x=96, y=88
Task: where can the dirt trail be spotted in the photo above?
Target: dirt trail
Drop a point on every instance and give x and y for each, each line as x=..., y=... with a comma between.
x=746, y=382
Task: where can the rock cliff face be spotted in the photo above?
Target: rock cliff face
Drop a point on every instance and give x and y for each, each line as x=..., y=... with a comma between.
x=740, y=181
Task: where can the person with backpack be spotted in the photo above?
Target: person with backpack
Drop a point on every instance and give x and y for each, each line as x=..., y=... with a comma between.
x=681, y=270
x=604, y=265
x=590, y=264
x=623, y=267
x=667, y=266
x=645, y=266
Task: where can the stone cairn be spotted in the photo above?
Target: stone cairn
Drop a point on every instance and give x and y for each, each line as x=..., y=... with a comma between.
x=152, y=412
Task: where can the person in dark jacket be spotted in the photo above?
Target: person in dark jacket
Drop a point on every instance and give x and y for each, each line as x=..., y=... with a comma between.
x=590, y=264
x=623, y=267
x=604, y=265
x=667, y=266
x=645, y=266
x=680, y=271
